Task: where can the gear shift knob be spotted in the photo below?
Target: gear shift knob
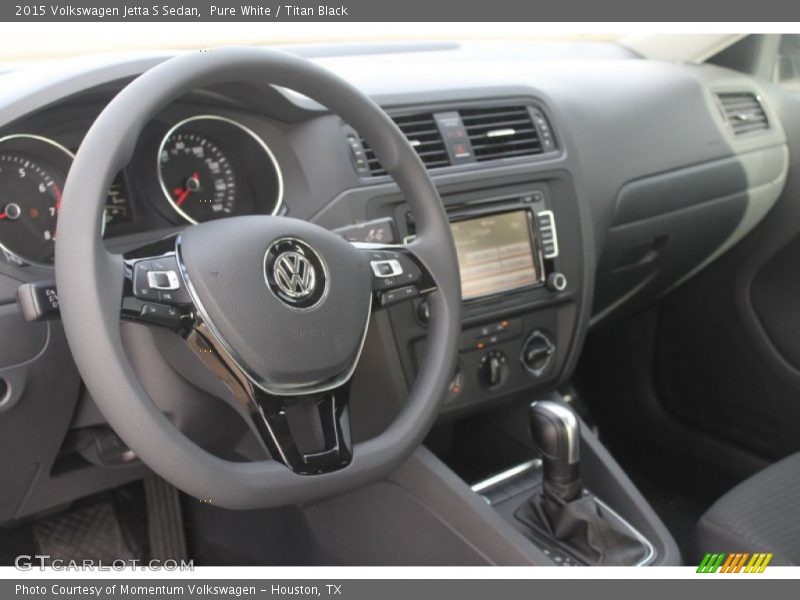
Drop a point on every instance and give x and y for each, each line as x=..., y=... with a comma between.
x=556, y=434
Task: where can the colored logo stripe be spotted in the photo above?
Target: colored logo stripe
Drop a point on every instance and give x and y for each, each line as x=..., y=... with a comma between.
x=734, y=562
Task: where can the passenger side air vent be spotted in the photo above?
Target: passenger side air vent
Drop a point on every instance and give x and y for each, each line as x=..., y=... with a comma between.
x=423, y=134
x=743, y=112
x=502, y=132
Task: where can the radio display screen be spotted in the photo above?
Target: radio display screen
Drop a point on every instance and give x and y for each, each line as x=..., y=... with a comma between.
x=495, y=254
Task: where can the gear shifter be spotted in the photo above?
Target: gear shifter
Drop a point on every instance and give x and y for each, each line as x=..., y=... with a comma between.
x=556, y=434
x=562, y=511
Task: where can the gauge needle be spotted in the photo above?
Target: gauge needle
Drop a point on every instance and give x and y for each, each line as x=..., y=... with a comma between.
x=57, y=194
x=192, y=184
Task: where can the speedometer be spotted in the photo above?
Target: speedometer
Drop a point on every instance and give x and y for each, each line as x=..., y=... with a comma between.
x=211, y=167
x=197, y=177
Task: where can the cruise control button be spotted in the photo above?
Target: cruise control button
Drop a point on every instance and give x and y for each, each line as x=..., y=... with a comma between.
x=179, y=296
x=141, y=286
x=387, y=268
x=163, y=280
x=158, y=280
x=410, y=272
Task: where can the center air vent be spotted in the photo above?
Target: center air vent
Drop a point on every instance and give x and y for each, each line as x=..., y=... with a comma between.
x=423, y=134
x=458, y=136
x=743, y=112
x=502, y=132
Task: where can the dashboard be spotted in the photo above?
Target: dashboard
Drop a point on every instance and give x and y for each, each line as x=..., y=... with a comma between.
x=578, y=189
x=203, y=167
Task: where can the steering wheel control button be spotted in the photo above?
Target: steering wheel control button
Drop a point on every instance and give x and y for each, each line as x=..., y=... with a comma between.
x=294, y=273
x=387, y=268
x=157, y=280
x=163, y=280
x=393, y=270
x=159, y=314
x=398, y=295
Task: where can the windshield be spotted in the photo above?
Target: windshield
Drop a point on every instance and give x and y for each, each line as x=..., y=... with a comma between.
x=25, y=41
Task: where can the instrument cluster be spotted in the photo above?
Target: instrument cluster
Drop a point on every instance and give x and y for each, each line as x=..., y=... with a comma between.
x=201, y=168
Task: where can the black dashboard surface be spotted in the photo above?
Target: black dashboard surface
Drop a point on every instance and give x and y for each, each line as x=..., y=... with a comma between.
x=646, y=180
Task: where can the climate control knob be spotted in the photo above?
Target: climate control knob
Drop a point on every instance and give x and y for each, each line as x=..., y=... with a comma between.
x=537, y=353
x=492, y=369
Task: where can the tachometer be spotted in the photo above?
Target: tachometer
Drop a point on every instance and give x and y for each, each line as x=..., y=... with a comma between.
x=211, y=167
x=32, y=174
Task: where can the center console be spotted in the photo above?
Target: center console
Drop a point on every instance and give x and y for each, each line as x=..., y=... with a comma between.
x=490, y=495
x=520, y=260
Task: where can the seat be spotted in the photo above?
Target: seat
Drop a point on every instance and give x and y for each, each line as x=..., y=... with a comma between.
x=762, y=514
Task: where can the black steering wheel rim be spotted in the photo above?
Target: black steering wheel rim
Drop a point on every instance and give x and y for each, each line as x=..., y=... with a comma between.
x=90, y=281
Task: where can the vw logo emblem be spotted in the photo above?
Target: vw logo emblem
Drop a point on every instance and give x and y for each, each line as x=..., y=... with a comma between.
x=294, y=272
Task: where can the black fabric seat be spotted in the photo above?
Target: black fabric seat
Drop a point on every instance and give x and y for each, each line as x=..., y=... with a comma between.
x=762, y=514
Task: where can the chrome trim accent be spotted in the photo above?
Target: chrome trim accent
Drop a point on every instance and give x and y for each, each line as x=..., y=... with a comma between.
x=294, y=274
x=551, y=349
x=394, y=265
x=247, y=130
x=571, y=427
x=559, y=282
x=548, y=214
x=325, y=272
x=494, y=480
x=224, y=349
x=530, y=465
x=496, y=133
x=171, y=276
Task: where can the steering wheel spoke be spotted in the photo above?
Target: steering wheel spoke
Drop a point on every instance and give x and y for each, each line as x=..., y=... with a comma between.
x=154, y=291
x=310, y=434
x=398, y=274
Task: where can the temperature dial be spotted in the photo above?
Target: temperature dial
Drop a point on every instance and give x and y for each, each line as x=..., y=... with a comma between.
x=537, y=353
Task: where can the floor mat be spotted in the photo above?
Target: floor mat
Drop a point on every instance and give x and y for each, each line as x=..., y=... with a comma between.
x=89, y=532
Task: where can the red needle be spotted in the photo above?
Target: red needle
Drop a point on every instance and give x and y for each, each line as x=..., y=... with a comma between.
x=57, y=193
x=183, y=193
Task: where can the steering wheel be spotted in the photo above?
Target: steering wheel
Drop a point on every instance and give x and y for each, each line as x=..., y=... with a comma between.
x=276, y=307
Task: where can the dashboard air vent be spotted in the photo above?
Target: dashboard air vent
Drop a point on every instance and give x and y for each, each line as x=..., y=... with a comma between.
x=423, y=134
x=501, y=132
x=743, y=112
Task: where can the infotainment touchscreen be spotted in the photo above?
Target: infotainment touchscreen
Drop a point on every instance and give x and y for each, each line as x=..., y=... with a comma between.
x=495, y=254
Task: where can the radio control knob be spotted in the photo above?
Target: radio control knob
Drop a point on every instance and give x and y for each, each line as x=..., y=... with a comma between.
x=556, y=282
